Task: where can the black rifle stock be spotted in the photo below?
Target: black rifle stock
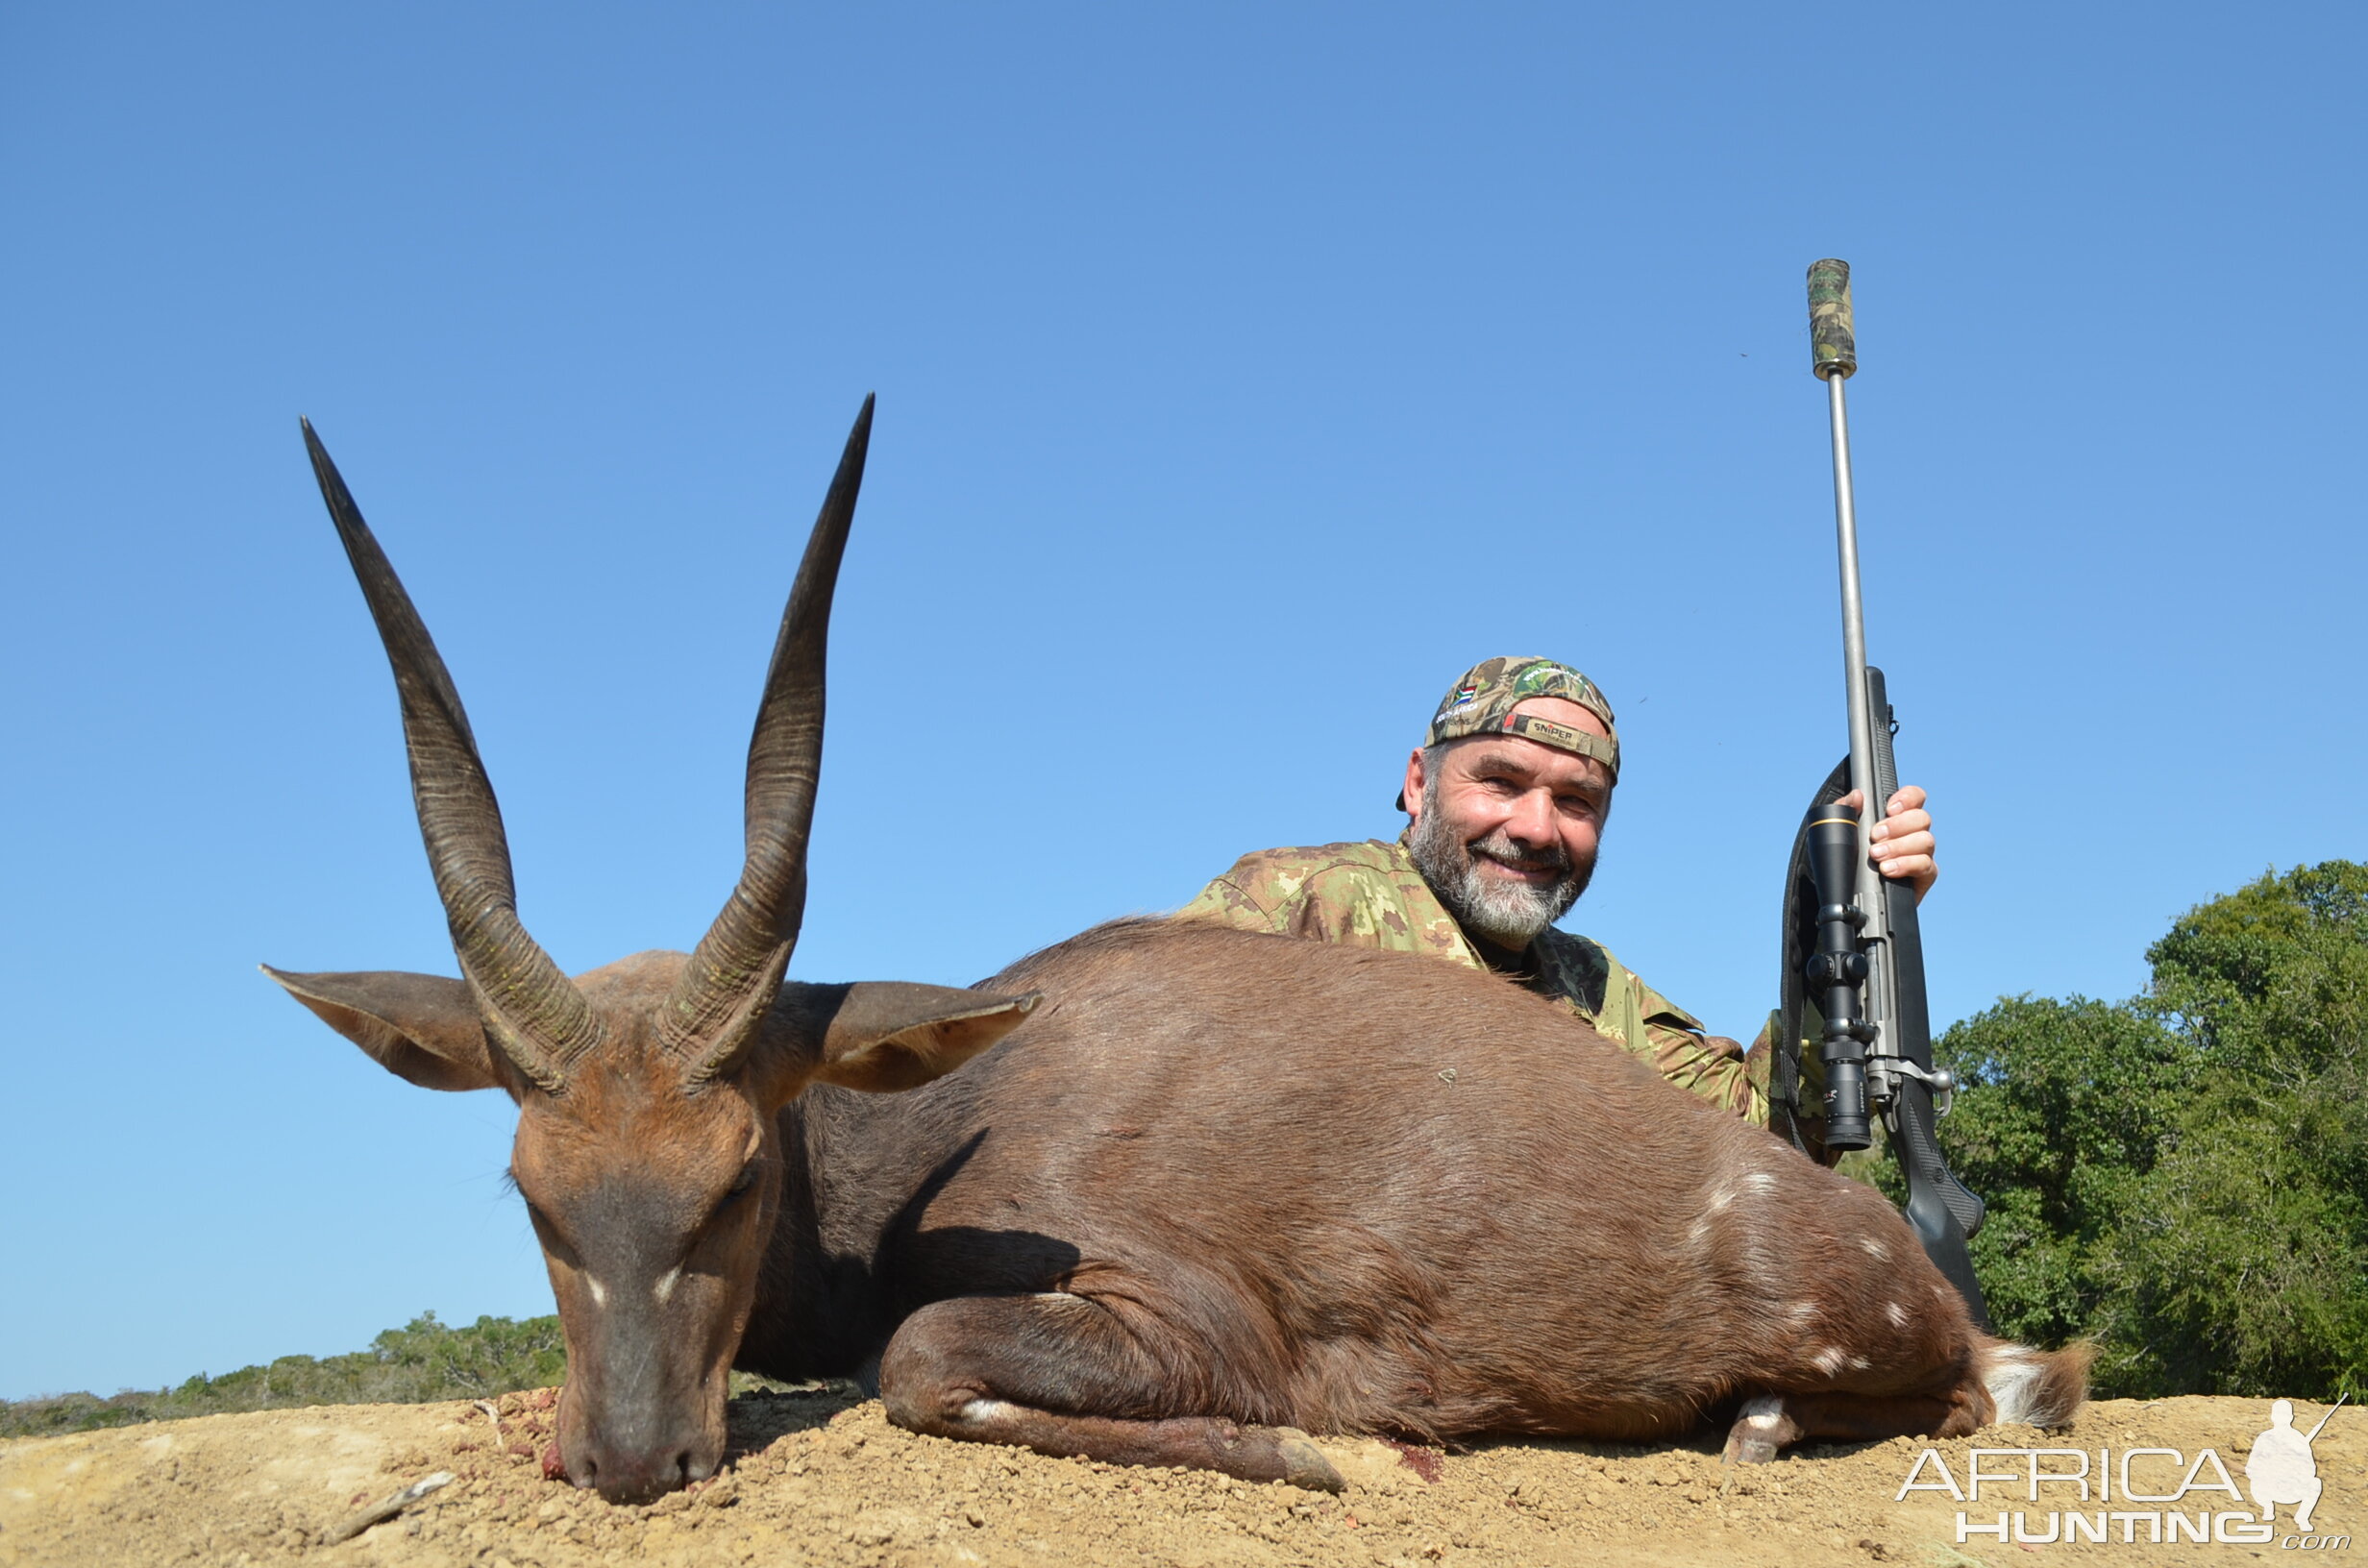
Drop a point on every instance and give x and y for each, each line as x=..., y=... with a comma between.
x=1945, y=1213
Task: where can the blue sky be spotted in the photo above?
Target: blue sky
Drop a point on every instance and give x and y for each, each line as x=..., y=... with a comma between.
x=1245, y=373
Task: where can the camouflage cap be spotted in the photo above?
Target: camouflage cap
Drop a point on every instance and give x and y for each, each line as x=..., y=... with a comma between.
x=1482, y=703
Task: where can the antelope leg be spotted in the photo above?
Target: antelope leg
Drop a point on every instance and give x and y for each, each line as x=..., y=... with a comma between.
x=1058, y=1374
x=1761, y=1428
x=1772, y=1422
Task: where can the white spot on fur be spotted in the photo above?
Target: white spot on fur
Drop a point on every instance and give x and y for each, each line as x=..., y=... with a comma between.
x=1827, y=1361
x=1057, y=1295
x=984, y=1409
x=664, y=1289
x=1759, y=1181
x=1765, y=1413
x=1721, y=1198
x=1801, y=1311
x=1859, y=1363
x=1699, y=1230
x=600, y=1292
x=1875, y=1249
x=1897, y=1314
x=2010, y=1378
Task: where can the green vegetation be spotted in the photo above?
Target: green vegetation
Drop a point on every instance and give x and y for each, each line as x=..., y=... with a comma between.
x=2183, y=1177
x=420, y=1361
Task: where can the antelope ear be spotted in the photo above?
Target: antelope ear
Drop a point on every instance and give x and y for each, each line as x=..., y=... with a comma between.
x=887, y=1034
x=422, y=1028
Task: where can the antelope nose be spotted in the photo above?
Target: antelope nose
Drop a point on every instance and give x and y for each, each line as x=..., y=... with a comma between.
x=622, y=1477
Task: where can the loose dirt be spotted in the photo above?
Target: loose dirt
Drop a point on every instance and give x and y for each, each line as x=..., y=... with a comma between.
x=821, y=1478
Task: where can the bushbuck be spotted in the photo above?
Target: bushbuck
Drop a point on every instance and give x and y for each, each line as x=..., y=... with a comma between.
x=1197, y=1194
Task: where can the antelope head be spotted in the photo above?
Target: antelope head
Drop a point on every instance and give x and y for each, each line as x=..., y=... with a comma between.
x=648, y=1091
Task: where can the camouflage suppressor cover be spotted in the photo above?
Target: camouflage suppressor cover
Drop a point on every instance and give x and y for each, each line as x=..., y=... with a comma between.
x=1833, y=337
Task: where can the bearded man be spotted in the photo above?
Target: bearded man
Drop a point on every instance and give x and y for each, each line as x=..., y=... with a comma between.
x=1507, y=799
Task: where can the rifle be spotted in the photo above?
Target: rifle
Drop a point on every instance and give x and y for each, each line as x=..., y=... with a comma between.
x=1851, y=942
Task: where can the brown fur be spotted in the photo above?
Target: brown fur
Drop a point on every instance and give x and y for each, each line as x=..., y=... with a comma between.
x=1244, y=1153
x=1215, y=1188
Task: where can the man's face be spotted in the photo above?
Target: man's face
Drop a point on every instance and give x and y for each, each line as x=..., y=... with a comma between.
x=1506, y=829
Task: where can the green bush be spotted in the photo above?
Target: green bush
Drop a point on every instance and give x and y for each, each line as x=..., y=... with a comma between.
x=2244, y=1266
x=2065, y=1107
x=422, y=1361
x=2180, y=1177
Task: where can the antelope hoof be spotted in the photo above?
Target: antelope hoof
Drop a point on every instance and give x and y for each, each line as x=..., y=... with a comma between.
x=1759, y=1431
x=1303, y=1462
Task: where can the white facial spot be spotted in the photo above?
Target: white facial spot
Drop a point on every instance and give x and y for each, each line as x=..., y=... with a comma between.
x=1761, y=1181
x=666, y=1283
x=600, y=1292
x=1827, y=1361
x=985, y=1410
x=1875, y=1249
x=1897, y=1314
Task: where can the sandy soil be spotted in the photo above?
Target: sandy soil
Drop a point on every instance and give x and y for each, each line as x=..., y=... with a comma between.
x=819, y=1479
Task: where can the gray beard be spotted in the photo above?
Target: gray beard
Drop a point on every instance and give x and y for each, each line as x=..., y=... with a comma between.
x=1508, y=914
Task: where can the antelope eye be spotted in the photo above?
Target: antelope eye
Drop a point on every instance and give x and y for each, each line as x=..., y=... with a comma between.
x=547, y=1234
x=729, y=1203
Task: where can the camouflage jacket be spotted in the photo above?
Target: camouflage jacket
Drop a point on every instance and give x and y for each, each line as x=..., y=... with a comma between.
x=1369, y=894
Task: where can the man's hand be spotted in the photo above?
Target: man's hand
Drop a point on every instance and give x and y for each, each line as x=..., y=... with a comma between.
x=1903, y=841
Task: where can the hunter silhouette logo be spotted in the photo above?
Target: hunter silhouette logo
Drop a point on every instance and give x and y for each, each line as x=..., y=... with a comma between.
x=2282, y=1468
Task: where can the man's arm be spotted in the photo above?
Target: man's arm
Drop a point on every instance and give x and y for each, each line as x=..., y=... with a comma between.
x=1712, y=1068
x=1633, y=1014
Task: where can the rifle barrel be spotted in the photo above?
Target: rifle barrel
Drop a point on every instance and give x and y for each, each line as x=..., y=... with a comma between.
x=1831, y=321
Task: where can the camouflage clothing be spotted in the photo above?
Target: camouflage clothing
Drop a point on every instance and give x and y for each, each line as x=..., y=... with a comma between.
x=1369, y=894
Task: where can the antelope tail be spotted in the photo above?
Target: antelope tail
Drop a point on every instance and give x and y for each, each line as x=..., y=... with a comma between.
x=2036, y=1388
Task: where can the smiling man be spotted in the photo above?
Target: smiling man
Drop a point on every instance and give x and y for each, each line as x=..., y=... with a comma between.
x=1508, y=798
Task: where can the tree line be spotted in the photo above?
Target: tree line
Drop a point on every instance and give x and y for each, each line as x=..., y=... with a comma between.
x=2183, y=1177
x=421, y=1362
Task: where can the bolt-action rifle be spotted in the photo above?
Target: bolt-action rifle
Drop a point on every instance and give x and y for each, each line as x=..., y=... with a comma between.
x=1851, y=944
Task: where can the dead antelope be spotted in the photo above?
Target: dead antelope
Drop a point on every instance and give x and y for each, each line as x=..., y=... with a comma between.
x=1212, y=1191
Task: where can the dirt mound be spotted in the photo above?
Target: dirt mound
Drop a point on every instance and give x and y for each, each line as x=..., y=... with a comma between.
x=818, y=1478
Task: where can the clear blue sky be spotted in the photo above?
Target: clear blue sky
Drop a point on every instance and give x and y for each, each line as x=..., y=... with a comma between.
x=1245, y=373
